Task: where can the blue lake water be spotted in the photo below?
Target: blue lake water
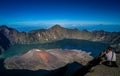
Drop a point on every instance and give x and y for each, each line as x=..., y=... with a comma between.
x=94, y=47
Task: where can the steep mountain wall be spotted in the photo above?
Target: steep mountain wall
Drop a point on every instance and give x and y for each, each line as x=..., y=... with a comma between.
x=58, y=33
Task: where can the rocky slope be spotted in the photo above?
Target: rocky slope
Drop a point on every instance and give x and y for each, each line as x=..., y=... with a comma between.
x=58, y=33
x=48, y=59
x=102, y=70
x=4, y=43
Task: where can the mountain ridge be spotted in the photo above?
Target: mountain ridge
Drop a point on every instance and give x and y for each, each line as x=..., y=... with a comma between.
x=57, y=32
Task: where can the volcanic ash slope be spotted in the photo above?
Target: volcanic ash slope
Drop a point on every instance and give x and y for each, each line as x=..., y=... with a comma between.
x=51, y=59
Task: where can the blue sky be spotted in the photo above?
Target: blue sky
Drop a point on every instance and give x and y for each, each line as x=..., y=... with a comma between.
x=60, y=12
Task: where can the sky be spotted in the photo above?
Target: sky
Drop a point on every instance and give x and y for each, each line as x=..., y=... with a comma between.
x=59, y=12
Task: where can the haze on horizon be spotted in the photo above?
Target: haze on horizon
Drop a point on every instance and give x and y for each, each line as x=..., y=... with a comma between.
x=63, y=12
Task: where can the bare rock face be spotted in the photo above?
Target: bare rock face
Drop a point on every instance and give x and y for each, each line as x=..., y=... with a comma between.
x=4, y=43
x=58, y=33
x=36, y=59
x=101, y=70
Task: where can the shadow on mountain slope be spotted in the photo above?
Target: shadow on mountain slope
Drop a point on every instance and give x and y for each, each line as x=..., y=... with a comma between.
x=85, y=69
x=63, y=71
x=72, y=69
x=4, y=43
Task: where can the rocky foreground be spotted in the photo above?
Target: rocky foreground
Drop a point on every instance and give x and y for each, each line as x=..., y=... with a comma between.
x=36, y=59
x=68, y=70
x=102, y=70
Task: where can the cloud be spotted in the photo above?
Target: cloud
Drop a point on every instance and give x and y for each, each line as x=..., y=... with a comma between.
x=61, y=22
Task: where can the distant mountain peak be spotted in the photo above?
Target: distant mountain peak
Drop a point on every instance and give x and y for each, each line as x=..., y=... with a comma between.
x=3, y=26
x=57, y=26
